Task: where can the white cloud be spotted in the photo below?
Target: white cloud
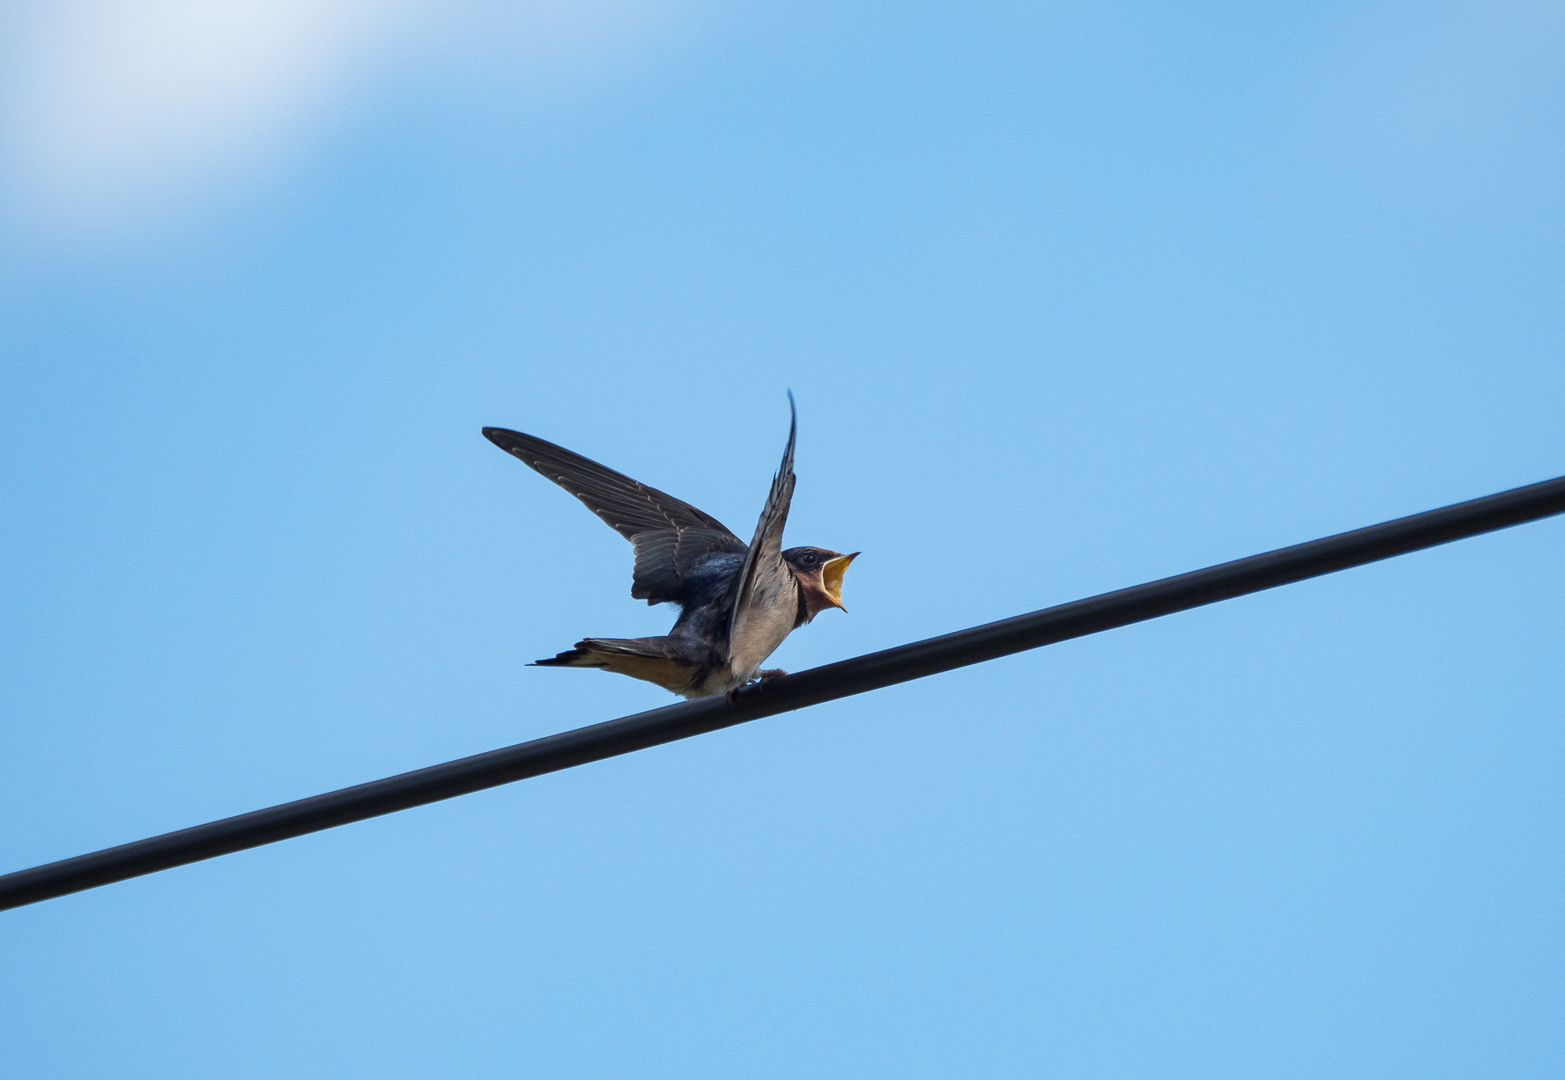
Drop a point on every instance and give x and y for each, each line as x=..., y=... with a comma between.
x=116, y=108
x=113, y=102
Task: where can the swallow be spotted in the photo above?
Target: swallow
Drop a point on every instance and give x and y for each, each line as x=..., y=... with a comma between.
x=737, y=602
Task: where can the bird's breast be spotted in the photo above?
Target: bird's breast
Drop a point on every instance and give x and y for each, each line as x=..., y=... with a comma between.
x=770, y=617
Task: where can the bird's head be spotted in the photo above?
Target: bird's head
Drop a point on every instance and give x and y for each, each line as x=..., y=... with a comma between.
x=819, y=572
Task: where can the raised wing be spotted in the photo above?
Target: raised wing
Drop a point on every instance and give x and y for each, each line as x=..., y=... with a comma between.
x=669, y=535
x=757, y=620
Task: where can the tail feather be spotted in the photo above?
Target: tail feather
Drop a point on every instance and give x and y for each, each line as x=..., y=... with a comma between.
x=654, y=660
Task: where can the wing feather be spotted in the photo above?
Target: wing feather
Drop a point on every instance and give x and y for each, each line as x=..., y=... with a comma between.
x=764, y=576
x=669, y=534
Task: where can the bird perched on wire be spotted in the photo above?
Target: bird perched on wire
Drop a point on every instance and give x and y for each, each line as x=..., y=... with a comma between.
x=737, y=602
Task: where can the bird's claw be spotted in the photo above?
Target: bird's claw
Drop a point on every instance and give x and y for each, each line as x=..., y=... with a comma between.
x=761, y=679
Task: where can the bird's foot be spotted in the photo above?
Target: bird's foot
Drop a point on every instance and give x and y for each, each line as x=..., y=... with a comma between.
x=760, y=680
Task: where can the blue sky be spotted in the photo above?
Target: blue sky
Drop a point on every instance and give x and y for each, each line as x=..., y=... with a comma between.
x=1071, y=297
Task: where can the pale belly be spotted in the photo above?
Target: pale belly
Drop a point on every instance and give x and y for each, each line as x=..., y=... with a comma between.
x=766, y=624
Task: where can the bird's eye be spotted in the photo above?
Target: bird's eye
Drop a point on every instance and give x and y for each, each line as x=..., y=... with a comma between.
x=808, y=558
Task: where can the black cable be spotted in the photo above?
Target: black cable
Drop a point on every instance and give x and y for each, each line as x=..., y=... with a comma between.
x=855, y=676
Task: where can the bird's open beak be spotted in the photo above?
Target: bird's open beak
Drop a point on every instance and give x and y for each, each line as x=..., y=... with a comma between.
x=831, y=577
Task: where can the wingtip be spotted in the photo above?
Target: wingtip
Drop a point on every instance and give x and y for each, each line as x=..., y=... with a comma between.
x=793, y=426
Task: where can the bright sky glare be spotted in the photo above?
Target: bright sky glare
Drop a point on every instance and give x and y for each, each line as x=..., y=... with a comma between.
x=115, y=108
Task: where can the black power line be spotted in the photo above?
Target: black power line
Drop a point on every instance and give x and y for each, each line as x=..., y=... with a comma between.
x=797, y=691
